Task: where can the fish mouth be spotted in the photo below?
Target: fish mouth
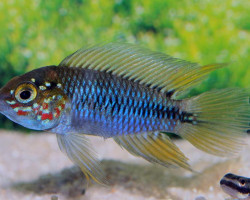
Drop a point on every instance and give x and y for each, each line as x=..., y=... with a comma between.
x=4, y=95
x=3, y=104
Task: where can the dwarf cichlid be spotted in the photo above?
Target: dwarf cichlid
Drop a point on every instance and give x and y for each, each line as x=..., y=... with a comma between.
x=132, y=95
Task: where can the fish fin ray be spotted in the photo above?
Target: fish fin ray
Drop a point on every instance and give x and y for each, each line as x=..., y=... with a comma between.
x=221, y=120
x=78, y=149
x=154, y=147
x=154, y=69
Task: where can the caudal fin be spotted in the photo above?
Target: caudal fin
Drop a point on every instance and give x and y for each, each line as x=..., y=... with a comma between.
x=220, y=121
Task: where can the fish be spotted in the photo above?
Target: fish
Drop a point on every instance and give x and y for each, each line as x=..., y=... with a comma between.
x=236, y=186
x=132, y=95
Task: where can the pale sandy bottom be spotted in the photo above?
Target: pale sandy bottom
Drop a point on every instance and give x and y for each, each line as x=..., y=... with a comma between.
x=33, y=168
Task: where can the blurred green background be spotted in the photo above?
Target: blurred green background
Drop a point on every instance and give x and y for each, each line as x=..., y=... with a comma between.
x=35, y=33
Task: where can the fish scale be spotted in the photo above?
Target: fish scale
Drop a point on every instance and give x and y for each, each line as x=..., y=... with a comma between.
x=142, y=107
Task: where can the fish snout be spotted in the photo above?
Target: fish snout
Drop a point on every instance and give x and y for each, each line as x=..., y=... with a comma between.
x=3, y=96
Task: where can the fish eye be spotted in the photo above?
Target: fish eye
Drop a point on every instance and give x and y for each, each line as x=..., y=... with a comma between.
x=242, y=182
x=25, y=93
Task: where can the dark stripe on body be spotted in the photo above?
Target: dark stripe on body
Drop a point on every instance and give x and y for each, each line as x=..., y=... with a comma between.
x=242, y=189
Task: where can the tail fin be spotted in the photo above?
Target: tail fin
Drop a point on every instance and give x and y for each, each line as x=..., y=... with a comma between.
x=220, y=119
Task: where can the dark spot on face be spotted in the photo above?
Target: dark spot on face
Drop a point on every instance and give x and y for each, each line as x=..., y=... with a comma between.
x=53, y=85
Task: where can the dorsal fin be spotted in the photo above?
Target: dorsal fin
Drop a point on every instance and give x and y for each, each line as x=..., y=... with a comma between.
x=155, y=69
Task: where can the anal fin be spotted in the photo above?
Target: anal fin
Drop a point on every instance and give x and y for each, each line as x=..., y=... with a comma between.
x=155, y=147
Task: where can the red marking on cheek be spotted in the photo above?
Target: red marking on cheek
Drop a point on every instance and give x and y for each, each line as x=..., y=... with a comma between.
x=45, y=106
x=58, y=112
x=48, y=116
x=23, y=113
x=63, y=106
x=37, y=111
x=15, y=105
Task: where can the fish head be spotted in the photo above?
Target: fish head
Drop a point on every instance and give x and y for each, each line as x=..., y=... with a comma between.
x=34, y=100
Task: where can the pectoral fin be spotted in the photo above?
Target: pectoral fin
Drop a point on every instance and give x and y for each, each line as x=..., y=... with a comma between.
x=79, y=151
x=154, y=147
